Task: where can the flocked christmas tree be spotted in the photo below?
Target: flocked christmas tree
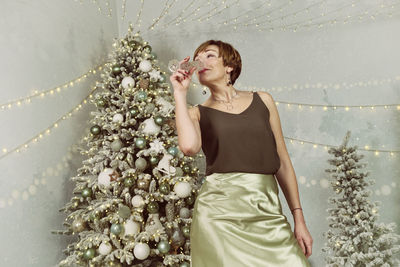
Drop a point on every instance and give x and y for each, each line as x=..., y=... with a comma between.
x=355, y=238
x=134, y=194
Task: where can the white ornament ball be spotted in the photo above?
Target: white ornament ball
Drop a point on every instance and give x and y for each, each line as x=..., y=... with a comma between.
x=131, y=227
x=137, y=201
x=182, y=189
x=141, y=251
x=104, y=248
x=104, y=177
x=145, y=65
x=184, y=213
x=118, y=118
x=128, y=82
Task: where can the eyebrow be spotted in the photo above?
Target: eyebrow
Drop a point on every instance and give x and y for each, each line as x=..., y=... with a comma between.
x=208, y=50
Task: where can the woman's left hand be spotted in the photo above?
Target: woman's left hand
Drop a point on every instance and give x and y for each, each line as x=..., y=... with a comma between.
x=303, y=237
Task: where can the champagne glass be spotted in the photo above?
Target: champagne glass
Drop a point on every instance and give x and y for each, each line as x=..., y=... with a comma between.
x=173, y=65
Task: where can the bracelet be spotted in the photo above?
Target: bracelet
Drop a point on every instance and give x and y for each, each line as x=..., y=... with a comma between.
x=296, y=209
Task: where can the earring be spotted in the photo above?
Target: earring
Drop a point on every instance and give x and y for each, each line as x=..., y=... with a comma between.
x=229, y=82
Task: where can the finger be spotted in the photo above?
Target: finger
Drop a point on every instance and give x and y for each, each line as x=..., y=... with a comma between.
x=309, y=250
x=183, y=72
x=185, y=59
x=180, y=76
x=192, y=70
x=301, y=243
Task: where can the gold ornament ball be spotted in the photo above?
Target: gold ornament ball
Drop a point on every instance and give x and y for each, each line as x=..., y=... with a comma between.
x=143, y=183
x=78, y=225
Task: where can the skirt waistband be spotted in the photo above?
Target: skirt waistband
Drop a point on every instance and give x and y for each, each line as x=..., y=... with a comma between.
x=232, y=180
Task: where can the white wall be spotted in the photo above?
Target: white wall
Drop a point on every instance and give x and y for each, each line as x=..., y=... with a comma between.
x=43, y=44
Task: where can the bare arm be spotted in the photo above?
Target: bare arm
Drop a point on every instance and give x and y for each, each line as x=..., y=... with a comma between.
x=187, y=123
x=286, y=176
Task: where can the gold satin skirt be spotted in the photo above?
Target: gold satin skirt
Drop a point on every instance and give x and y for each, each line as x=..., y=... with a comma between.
x=238, y=221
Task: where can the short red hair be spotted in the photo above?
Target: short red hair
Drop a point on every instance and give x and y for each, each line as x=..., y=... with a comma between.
x=230, y=56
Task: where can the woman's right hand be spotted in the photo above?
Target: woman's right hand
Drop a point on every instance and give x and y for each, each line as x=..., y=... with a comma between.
x=180, y=79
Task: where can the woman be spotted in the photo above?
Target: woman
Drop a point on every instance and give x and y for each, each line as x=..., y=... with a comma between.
x=237, y=218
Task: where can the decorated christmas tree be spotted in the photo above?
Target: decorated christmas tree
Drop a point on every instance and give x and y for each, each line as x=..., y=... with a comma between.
x=355, y=238
x=133, y=196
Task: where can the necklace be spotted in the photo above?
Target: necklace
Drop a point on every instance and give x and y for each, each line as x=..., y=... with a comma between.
x=229, y=106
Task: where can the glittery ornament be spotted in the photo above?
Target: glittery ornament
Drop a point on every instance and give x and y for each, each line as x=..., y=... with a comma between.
x=141, y=95
x=170, y=211
x=144, y=83
x=182, y=189
x=145, y=65
x=184, y=213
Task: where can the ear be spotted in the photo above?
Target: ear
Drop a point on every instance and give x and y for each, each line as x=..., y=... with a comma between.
x=229, y=69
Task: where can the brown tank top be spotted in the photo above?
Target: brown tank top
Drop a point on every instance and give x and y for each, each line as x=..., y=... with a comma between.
x=241, y=142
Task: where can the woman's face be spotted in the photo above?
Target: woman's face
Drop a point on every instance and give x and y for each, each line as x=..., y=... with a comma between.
x=214, y=70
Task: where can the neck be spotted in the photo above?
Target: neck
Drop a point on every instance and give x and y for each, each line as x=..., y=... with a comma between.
x=226, y=94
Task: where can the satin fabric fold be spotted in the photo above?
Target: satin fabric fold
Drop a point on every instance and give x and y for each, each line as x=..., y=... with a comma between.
x=238, y=221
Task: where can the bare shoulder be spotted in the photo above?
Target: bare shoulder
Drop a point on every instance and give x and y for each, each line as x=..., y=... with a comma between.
x=267, y=99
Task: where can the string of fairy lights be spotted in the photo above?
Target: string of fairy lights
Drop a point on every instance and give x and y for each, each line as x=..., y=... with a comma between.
x=357, y=18
x=49, y=92
x=138, y=21
x=211, y=13
x=48, y=130
x=279, y=88
x=163, y=13
x=387, y=9
x=207, y=15
x=263, y=21
x=200, y=16
x=99, y=7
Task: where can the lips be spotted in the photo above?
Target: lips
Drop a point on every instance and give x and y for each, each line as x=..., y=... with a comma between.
x=203, y=70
